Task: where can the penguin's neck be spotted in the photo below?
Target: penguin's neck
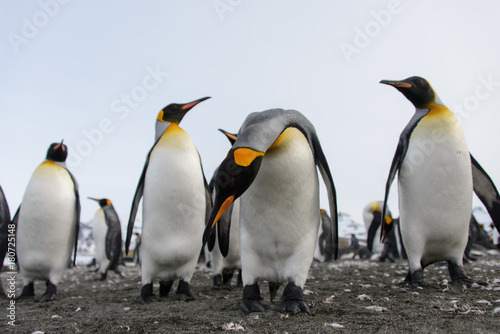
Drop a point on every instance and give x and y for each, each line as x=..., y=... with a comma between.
x=52, y=162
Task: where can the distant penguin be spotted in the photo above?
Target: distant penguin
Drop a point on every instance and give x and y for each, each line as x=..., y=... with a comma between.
x=436, y=178
x=176, y=202
x=4, y=233
x=47, y=224
x=372, y=217
x=224, y=265
x=324, y=245
x=107, y=232
x=272, y=166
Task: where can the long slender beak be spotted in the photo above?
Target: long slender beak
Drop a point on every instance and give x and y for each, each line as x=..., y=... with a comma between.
x=395, y=83
x=190, y=105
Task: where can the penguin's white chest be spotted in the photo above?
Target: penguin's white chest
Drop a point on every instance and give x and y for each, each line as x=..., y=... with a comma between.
x=174, y=200
x=435, y=187
x=46, y=226
x=279, y=212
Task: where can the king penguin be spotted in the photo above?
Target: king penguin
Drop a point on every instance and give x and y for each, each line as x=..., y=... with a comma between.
x=4, y=232
x=272, y=169
x=436, y=178
x=324, y=245
x=176, y=203
x=372, y=217
x=225, y=261
x=47, y=224
x=107, y=232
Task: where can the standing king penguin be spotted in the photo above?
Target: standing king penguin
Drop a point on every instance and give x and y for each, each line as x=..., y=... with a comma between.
x=176, y=203
x=4, y=232
x=437, y=175
x=107, y=232
x=272, y=166
x=47, y=224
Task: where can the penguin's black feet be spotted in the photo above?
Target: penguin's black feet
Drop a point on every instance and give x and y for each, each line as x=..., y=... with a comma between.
x=292, y=300
x=147, y=294
x=184, y=291
x=217, y=282
x=165, y=287
x=28, y=293
x=251, y=301
x=458, y=275
x=416, y=279
x=273, y=289
x=227, y=276
x=50, y=293
x=102, y=278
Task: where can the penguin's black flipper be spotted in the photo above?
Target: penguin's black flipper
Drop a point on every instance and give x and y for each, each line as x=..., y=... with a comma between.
x=324, y=169
x=486, y=191
x=209, y=188
x=372, y=230
x=113, y=236
x=223, y=229
x=137, y=199
x=77, y=215
x=397, y=161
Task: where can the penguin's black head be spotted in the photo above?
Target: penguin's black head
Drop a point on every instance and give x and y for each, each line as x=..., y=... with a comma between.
x=102, y=202
x=57, y=152
x=174, y=112
x=234, y=175
x=416, y=89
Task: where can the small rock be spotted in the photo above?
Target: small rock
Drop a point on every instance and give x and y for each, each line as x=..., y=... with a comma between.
x=333, y=325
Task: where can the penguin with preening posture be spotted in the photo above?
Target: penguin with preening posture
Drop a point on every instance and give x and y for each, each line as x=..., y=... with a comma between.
x=176, y=203
x=436, y=178
x=47, y=224
x=272, y=169
x=4, y=233
x=225, y=261
x=324, y=245
x=107, y=233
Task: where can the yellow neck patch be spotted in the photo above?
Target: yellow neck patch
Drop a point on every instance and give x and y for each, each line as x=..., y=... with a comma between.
x=173, y=128
x=244, y=156
x=437, y=110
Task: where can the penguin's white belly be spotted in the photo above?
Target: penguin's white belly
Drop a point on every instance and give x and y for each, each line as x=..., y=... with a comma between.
x=46, y=226
x=173, y=212
x=279, y=214
x=435, y=195
x=99, y=231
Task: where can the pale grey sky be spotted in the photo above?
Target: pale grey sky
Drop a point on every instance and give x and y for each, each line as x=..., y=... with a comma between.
x=97, y=73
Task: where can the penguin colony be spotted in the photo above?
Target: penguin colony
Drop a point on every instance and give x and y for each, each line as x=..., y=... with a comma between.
x=274, y=158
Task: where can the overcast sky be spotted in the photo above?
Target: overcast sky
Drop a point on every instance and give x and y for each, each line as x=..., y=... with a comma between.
x=96, y=73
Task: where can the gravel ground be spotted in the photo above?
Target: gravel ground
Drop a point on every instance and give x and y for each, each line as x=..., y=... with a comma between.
x=345, y=296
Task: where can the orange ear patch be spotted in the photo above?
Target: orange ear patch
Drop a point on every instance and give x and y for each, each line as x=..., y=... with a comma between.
x=244, y=156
